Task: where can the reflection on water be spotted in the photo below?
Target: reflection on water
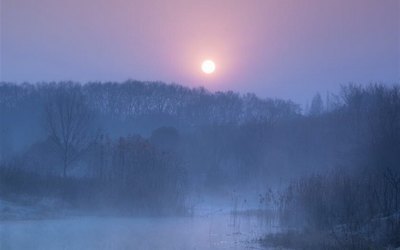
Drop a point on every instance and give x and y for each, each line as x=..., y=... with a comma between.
x=222, y=230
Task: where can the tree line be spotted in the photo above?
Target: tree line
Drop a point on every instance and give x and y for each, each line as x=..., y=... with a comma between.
x=151, y=142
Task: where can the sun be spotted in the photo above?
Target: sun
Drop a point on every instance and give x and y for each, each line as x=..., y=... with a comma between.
x=208, y=66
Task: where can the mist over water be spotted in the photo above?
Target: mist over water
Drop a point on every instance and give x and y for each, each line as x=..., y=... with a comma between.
x=207, y=229
x=148, y=165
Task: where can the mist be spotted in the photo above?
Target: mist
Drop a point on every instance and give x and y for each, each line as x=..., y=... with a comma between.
x=149, y=165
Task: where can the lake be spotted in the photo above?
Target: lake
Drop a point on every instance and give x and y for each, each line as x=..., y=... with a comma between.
x=217, y=230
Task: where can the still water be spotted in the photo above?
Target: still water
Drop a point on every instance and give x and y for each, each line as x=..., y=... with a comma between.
x=220, y=230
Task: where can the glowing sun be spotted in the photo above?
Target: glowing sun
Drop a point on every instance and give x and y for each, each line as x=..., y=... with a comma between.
x=208, y=66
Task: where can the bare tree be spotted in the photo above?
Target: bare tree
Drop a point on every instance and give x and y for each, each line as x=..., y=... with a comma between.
x=69, y=123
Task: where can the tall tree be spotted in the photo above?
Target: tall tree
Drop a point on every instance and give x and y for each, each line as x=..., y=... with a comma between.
x=69, y=123
x=317, y=105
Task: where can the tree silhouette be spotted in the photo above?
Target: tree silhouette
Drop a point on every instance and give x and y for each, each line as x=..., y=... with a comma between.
x=68, y=123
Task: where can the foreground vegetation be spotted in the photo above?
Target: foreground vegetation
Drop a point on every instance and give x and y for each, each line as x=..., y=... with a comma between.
x=340, y=211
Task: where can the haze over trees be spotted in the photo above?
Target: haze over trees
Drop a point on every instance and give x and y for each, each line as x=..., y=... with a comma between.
x=68, y=121
x=147, y=147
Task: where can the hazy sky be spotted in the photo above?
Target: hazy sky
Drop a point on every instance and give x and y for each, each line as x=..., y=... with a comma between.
x=288, y=49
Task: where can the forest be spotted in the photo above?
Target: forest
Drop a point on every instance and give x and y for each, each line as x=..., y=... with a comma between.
x=329, y=171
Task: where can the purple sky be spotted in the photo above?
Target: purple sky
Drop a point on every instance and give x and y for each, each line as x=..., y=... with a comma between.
x=282, y=48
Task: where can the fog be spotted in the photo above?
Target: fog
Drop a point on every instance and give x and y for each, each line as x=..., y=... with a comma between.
x=149, y=165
